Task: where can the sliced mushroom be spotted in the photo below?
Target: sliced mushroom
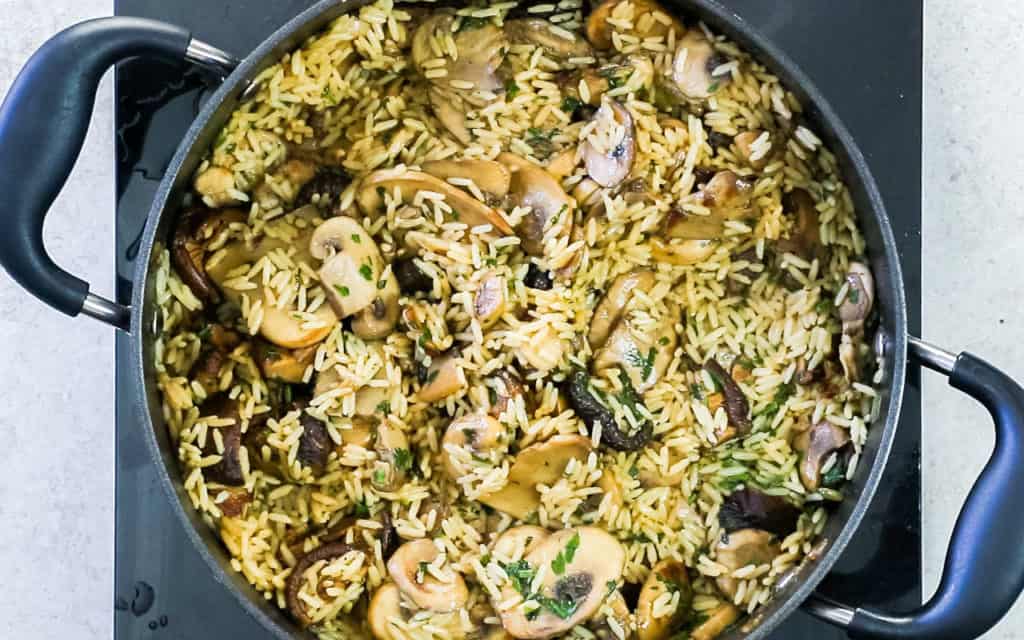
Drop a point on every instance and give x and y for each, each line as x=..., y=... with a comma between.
x=749, y=508
x=519, y=541
x=726, y=196
x=228, y=470
x=804, y=237
x=614, y=609
x=351, y=264
x=450, y=110
x=217, y=187
x=562, y=164
x=408, y=183
x=610, y=149
x=742, y=548
x=426, y=323
x=407, y=567
x=613, y=305
x=285, y=365
x=379, y=319
x=536, y=278
x=745, y=145
x=385, y=606
x=544, y=350
x=480, y=51
x=815, y=446
x=573, y=594
x=694, y=65
x=489, y=300
x=599, y=30
x=445, y=377
x=860, y=297
x=394, y=458
x=491, y=177
x=621, y=437
x=324, y=189
x=682, y=252
x=297, y=578
x=283, y=328
x=668, y=576
x=359, y=433
x=644, y=358
x=541, y=463
x=481, y=433
x=560, y=44
x=721, y=618
x=315, y=444
x=188, y=247
x=736, y=405
x=548, y=204
x=503, y=388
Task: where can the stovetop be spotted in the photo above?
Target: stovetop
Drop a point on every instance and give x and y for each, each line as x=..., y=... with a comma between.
x=865, y=56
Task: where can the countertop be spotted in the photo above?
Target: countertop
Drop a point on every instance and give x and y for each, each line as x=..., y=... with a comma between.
x=56, y=540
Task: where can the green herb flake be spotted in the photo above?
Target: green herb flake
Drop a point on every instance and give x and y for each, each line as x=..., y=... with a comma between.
x=287, y=392
x=381, y=284
x=403, y=459
x=633, y=472
x=470, y=23
x=834, y=477
x=565, y=556
x=384, y=407
x=366, y=271
x=696, y=391
x=570, y=104
x=521, y=574
x=362, y=511
x=379, y=476
x=610, y=587
x=823, y=306
x=356, y=238
x=853, y=295
x=421, y=572
x=432, y=375
x=713, y=87
x=342, y=290
x=511, y=89
x=663, y=341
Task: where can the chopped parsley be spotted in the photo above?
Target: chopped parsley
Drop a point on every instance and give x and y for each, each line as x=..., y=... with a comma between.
x=781, y=395
x=384, y=407
x=696, y=392
x=403, y=459
x=834, y=476
x=633, y=472
x=823, y=306
x=469, y=23
x=511, y=89
x=356, y=238
x=570, y=104
x=521, y=574
x=343, y=291
x=204, y=333
x=366, y=271
x=670, y=585
x=565, y=556
x=379, y=476
x=645, y=364
x=610, y=587
x=853, y=295
x=713, y=87
x=362, y=511
x=663, y=341
x=287, y=394
x=561, y=607
x=432, y=375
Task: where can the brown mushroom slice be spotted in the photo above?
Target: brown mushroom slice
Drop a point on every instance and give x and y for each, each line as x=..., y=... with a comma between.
x=815, y=446
x=599, y=30
x=736, y=405
x=517, y=542
x=561, y=45
x=480, y=51
x=188, y=247
x=745, y=143
x=385, y=606
x=614, y=609
x=407, y=567
x=297, y=578
x=445, y=377
x=749, y=508
x=408, y=183
x=285, y=365
x=351, y=264
x=503, y=388
x=540, y=463
x=613, y=304
x=315, y=444
x=480, y=432
x=805, y=236
x=228, y=470
x=544, y=350
x=562, y=164
x=721, y=618
x=726, y=196
x=682, y=253
x=548, y=204
x=394, y=458
x=644, y=358
x=491, y=177
x=216, y=185
x=379, y=319
x=860, y=297
x=450, y=110
x=740, y=549
x=694, y=63
x=283, y=328
x=576, y=582
x=610, y=160
x=489, y=300
x=668, y=576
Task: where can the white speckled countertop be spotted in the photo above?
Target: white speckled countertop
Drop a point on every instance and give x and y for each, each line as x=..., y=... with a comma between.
x=56, y=540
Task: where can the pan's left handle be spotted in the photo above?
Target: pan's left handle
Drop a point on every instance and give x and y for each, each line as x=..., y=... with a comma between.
x=43, y=122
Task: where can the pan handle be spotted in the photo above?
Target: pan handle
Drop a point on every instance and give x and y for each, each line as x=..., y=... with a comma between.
x=984, y=570
x=43, y=122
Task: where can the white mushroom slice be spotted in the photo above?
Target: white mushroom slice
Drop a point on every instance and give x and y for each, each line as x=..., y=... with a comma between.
x=544, y=350
x=393, y=458
x=385, y=606
x=541, y=463
x=481, y=433
x=745, y=144
x=726, y=196
x=408, y=183
x=668, y=576
x=860, y=297
x=480, y=51
x=560, y=44
x=548, y=204
x=613, y=304
x=281, y=326
x=613, y=619
x=378, y=319
x=445, y=377
x=721, y=618
x=489, y=301
x=519, y=541
x=562, y=164
x=815, y=447
x=408, y=567
x=491, y=177
x=644, y=358
x=609, y=150
x=217, y=187
x=450, y=109
x=579, y=564
x=740, y=549
x=682, y=252
x=351, y=264
x=694, y=64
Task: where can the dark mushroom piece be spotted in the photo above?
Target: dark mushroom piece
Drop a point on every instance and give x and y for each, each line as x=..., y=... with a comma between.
x=537, y=278
x=233, y=505
x=324, y=190
x=295, y=580
x=736, y=405
x=815, y=446
x=411, y=279
x=560, y=45
x=350, y=531
x=804, y=238
x=193, y=230
x=593, y=412
x=285, y=365
x=315, y=444
x=749, y=508
x=229, y=470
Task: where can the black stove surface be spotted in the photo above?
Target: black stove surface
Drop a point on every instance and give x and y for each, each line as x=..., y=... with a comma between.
x=865, y=56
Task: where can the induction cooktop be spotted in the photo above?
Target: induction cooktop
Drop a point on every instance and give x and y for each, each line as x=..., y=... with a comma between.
x=865, y=56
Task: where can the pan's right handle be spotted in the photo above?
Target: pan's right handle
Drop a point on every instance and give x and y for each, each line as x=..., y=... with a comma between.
x=984, y=571
x=43, y=122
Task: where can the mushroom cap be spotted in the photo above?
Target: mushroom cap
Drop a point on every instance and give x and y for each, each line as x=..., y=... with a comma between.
x=721, y=618
x=561, y=44
x=805, y=236
x=492, y=177
x=736, y=404
x=480, y=431
x=741, y=548
x=351, y=264
x=682, y=252
x=445, y=377
x=581, y=584
x=548, y=204
x=668, y=576
x=481, y=51
x=517, y=542
x=489, y=300
x=378, y=319
x=385, y=605
x=815, y=445
x=693, y=64
x=421, y=587
x=750, y=508
x=609, y=162
x=613, y=304
x=856, y=306
x=450, y=110
x=297, y=577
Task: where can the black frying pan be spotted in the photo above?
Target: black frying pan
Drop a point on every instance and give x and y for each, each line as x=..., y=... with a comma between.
x=43, y=122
